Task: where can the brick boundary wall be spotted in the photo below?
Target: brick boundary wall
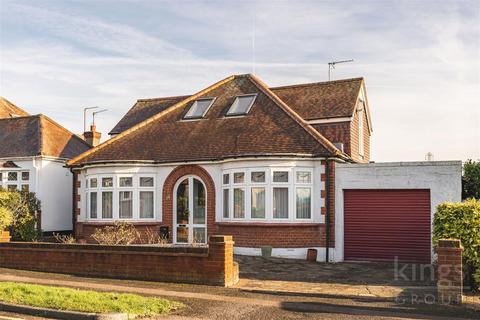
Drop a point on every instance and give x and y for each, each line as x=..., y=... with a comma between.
x=449, y=272
x=212, y=265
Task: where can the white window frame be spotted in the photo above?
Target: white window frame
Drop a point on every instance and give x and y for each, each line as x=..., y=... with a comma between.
x=292, y=185
x=187, y=117
x=115, y=189
x=18, y=183
x=238, y=114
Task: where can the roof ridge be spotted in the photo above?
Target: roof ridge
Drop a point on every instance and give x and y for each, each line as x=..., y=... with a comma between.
x=162, y=98
x=47, y=118
x=149, y=120
x=295, y=116
x=316, y=83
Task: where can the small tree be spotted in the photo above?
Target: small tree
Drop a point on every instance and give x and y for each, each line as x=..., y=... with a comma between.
x=24, y=207
x=471, y=180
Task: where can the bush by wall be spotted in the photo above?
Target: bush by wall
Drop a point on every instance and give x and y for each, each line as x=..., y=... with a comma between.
x=24, y=206
x=471, y=180
x=461, y=221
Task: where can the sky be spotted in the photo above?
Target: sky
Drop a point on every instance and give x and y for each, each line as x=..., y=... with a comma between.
x=420, y=60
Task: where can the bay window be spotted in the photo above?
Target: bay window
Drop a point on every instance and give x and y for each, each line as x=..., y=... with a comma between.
x=239, y=203
x=114, y=196
x=15, y=180
x=268, y=194
x=107, y=205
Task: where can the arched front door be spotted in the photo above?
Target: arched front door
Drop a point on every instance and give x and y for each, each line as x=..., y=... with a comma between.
x=190, y=211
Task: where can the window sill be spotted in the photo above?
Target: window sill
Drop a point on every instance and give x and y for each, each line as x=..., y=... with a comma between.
x=269, y=224
x=112, y=222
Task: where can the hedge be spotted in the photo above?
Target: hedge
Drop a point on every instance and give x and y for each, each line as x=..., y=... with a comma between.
x=461, y=221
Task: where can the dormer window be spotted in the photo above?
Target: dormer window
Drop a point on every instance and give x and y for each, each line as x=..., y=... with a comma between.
x=241, y=105
x=199, y=108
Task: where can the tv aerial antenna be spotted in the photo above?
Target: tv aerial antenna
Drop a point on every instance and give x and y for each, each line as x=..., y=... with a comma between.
x=331, y=65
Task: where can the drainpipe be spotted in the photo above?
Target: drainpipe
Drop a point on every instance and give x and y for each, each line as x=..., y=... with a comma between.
x=327, y=213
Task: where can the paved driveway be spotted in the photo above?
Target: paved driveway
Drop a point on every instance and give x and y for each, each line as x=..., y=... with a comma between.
x=352, y=279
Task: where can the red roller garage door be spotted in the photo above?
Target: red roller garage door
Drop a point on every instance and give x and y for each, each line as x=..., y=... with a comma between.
x=383, y=224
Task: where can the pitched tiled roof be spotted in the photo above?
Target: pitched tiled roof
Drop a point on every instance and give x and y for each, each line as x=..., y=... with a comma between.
x=322, y=100
x=271, y=128
x=319, y=100
x=9, y=110
x=38, y=135
x=144, y=109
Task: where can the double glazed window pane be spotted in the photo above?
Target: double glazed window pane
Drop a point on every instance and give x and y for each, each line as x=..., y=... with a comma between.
x=12, y=176
x=107, y=204
x=241, y=105
x=199, y=108
x=146, y=181
x=238, y=203
x=258, y=203
x=226, y=178
x=25, y=176
x=239, y=177
x=125, y=204
x=93, y=183
x=304, y=203
x=107, y=182
x=93, y=205
x=280, y=176
x=258, y=176
x=198, y=202
x=146, y=204
x=304, y=177
x=280, y=203
x=125, y=182
x=226, y=203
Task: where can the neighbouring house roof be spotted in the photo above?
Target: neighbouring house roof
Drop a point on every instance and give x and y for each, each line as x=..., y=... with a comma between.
x=319, y=100
x=38, y=135
x=144, y=109
x=271, y=128
x=9, y=110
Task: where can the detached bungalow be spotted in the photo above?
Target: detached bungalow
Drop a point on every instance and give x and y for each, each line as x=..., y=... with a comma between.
x=33, y=153
x=261, y=164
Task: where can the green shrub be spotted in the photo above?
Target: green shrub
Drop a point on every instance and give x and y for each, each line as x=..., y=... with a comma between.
x=461, y=221
x=24, y=206
x=471, y=180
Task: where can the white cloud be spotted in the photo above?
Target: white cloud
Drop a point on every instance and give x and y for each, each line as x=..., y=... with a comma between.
x=421, y=61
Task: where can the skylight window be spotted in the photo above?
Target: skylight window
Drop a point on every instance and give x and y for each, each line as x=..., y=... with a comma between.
x=241, y=105
x=199, y=108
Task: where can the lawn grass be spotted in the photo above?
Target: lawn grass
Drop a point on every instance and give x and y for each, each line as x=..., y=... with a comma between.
x=61, y=298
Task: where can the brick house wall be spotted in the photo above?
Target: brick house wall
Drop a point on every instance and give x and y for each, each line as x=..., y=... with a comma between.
x=245, y=234
x=336, y=132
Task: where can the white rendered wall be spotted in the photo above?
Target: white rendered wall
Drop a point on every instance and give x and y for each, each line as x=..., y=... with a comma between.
x=442, y=178
x=55, y=192
x=52, y=183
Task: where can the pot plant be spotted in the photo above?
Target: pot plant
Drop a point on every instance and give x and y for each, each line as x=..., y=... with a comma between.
x=6, y=220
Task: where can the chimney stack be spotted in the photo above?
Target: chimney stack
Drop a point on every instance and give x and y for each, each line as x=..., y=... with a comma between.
x=92, y=137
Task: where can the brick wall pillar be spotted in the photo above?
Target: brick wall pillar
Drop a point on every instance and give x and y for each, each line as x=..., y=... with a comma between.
x=220, y=250
x=449, y=273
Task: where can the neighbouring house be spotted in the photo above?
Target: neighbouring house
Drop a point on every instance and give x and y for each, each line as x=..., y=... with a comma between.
x=285, y=167
x=33, y=153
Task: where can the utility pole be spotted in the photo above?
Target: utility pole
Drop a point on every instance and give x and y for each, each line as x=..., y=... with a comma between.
x=331, y=65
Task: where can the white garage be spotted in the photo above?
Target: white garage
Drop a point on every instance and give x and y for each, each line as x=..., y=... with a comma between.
x=384, y=211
